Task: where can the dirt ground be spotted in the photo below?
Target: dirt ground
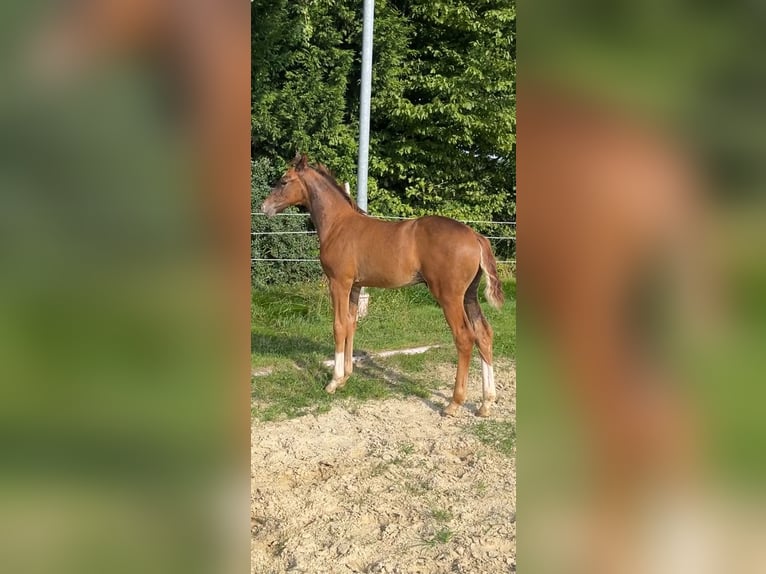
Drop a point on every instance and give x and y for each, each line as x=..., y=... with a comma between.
x=386, y=487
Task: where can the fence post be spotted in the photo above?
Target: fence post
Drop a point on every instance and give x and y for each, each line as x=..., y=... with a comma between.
x=364, y=304
x=364, y=296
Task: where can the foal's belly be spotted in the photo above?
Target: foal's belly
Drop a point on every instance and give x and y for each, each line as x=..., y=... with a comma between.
x=388, y=275
x=390, y=282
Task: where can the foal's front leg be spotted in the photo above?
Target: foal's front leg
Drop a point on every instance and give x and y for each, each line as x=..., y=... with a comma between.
x=339, y=293
x=351, y=329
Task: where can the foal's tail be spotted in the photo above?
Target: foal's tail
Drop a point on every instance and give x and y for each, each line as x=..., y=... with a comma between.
x=494, y=290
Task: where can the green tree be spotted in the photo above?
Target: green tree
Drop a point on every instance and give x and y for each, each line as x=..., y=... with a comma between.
x=444, y=112
x=266, y=241
x=302, y=66
x=443, y=108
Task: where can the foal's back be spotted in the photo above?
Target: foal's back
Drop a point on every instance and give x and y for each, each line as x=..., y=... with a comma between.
x=394, y=254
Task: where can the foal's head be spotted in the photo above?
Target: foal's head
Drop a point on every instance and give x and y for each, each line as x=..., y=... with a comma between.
x=289, y=190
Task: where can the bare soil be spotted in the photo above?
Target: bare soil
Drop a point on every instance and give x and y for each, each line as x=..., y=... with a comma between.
x=386, y=487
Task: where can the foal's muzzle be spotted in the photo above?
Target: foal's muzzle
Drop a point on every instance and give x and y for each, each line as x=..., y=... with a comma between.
x=268, y=209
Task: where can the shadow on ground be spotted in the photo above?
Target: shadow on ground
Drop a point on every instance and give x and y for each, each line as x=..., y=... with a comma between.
x=295, y=348
x=370, y=373
x=394, y=379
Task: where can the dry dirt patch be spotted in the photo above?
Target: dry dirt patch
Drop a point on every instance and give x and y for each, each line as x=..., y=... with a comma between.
x=385, y=487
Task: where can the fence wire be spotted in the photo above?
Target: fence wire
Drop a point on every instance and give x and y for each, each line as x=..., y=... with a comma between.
x=258, y=257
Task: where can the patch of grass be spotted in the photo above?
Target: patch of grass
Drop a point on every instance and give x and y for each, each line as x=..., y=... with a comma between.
x=438, y=533
x=441, y=515
x=405, y=449
x=503, y=321
x=418, y=487
x=441, y=536
x=410, y=363
x=500, y=435
x=291, y=333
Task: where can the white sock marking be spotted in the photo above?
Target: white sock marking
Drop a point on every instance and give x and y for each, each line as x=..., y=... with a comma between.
x=487, y=381
x=339, y=358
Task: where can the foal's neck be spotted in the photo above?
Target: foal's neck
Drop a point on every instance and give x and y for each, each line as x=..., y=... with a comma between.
x=327, y=206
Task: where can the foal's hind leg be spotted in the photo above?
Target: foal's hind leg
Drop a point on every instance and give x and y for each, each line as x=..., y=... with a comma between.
x=464, y=339
x=483, y=333
x=484, y=342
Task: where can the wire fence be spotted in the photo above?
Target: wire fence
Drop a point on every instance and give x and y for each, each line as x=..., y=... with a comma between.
x=502, y=243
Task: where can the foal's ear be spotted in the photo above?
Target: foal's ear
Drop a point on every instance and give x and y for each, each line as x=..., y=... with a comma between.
x=299, y=161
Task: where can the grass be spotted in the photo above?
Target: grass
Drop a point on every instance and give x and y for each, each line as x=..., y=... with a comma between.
x=441, y=515
x=418, y=488
x=500, y=435
x=291, y=333
x=441, y=536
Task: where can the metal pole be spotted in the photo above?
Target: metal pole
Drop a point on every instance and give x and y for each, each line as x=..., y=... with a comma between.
x=364, y=104
x=364, y=125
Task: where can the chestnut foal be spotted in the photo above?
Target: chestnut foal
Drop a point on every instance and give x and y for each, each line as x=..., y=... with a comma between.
x=357, y=250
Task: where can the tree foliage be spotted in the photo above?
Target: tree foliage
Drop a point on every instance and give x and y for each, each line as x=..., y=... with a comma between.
x=444, y=122
x=302, y=63
x=269, y=240
x=443, y=105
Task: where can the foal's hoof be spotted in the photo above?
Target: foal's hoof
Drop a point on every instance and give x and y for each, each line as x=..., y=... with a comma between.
x=331, y=387
x=483, y=411
x=335, y=384
x=451, y=410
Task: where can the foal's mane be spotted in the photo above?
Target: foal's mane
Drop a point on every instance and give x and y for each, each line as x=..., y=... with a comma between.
x=330, y=178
